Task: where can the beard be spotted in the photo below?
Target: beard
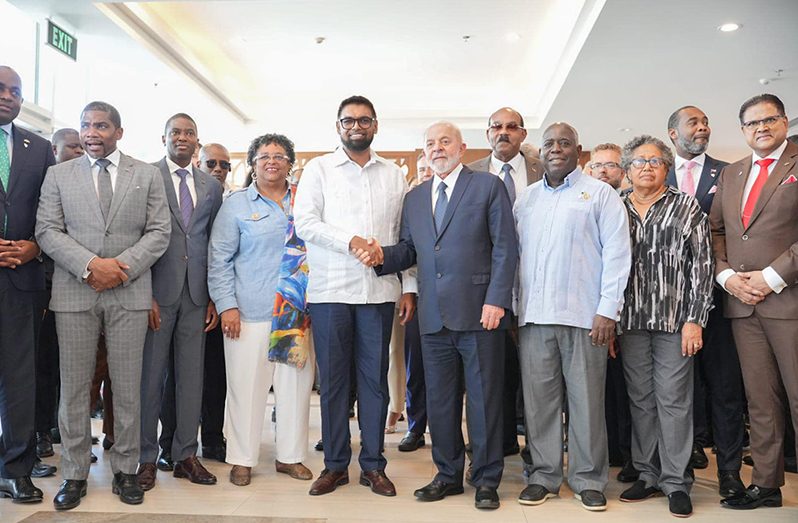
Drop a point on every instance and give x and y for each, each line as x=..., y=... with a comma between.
x=443, y=166
x=357, y=146
x=692, y=147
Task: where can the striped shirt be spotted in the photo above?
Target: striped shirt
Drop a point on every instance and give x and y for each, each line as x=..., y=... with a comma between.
x=672, y=265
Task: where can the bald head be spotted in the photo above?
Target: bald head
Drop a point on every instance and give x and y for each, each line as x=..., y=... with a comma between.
x=214, y=158
x=66, y=145
x=443, y=147
x=10, y=95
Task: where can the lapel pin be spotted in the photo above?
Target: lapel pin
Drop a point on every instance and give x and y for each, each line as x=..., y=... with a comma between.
x=255, y=216
x=740, y=173
x=584, y=196
x=25, y=143
x=713, y=172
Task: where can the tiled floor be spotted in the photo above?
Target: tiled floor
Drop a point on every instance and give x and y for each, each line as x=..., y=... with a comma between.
x=278, y=496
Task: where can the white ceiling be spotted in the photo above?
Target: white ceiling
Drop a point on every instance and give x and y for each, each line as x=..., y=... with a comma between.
x=602, y=67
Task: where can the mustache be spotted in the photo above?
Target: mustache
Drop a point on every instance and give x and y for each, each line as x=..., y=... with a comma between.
x=504, y=138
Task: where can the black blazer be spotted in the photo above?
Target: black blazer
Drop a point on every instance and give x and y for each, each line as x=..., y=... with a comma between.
x=31, y=157
x=710, y=175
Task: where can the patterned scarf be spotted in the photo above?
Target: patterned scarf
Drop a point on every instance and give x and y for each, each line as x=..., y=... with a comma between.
x=288, y=342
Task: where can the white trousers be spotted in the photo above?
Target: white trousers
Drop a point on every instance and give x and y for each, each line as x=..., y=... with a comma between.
x=397, y=381
x=250, y=374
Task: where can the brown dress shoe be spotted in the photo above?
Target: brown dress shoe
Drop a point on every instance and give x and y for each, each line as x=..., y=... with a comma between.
x=295, y=470
x=146, y=476
x=328, y=480
x=192, y=469
x=378, y=481
x=240, y=475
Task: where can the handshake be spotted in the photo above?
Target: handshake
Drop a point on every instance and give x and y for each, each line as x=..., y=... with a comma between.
x=368, y=252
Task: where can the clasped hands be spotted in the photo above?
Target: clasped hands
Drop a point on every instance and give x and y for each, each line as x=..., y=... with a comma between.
x=14, y=253
x=106, y=273
x=748, y=287
x=368, y=252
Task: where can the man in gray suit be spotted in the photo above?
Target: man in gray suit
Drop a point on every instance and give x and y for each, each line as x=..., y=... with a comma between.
x=118, y=226
x=181, y=309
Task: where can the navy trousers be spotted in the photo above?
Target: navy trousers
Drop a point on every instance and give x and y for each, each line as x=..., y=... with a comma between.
x=342, y=334
x=416, y=398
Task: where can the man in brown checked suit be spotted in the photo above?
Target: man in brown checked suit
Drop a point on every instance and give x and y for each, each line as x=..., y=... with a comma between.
x=754, y=222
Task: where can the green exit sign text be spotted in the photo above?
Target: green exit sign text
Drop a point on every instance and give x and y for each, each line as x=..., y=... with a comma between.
x=61, y=40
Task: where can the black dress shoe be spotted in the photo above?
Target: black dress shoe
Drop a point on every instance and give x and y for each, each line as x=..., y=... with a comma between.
x=44, y=445
x=729, y=484
x=592, y=500
x=628, y=474
x=165, y=462
x=535, y=495
x=319, y=446
x=128, y=488
x=679, y=504
x=93, y=457
x=55, y=435
x=754, y=497
x=526, y=455
x=411, y=442
x=639, y=492
x=20, y=490
x=437, y=490
x=69, y=494
x=107, y=443
x=42, y=469
x=486, y=498
x=698, y=460
x=512, y=450
x=215, y=452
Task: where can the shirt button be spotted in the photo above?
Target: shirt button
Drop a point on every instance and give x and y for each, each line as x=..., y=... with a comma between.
x=185, y=257
x=745, y=236
x=439, y=276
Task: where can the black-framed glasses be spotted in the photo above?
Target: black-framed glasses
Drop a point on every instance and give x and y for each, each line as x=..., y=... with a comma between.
x=224, y=164
x=510, y=126
x=364, y=122
x=607, y=165
x=767, y=122
x=276, y=158
x=639, y=163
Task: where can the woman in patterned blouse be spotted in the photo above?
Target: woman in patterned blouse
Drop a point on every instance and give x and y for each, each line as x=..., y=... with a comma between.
x=667, y=304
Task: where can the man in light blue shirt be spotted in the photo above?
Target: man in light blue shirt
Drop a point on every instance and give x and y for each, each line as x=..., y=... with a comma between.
x=575, y=259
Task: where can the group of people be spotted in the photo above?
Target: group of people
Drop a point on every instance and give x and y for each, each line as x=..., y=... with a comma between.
x=604, y=293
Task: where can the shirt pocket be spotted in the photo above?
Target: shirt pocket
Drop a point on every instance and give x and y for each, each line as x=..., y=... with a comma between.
x=257, y=225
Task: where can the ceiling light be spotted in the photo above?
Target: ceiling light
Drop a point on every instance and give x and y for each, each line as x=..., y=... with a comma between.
x=625, y=129
x=728, y=28
x=512, y=37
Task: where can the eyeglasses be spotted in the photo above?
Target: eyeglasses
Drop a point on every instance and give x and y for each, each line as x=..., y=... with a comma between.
x=364, y=122
x=639, y=163
x=767, y=122
x=276, y=158
x=497, y=126
x=224, y=164
x=607, y=165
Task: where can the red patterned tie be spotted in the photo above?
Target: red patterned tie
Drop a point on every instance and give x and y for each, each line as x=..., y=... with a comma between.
x=753, y=196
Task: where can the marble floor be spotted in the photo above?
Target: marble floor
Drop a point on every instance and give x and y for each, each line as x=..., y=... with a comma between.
x=275, y=497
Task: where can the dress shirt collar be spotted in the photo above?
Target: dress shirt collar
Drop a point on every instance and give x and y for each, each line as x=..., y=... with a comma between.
x=174, y=167
x=113, y=157
x=569, y=181
x=450, y=180
x=698, y=160
x=7, y=128
x=516, y=162
x=340, y=158
x=775, y=154
x=253, y=193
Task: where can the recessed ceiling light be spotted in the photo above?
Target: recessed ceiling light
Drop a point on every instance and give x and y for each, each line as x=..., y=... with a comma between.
x=728, y=28
x=625, y=129
x=512, y=37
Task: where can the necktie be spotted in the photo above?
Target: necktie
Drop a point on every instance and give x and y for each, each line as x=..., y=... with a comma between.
x=440, y=206
x=753, y=196
x=186, y=203
x=688, y=182
x=508, y=182
x=5, y=161
x=105, y=191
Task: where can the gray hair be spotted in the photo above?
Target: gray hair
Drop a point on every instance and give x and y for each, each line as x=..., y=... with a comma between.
x=444, y=123
x=644, y=139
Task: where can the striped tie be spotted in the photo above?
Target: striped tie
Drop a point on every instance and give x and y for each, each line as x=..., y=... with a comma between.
x=186, y=203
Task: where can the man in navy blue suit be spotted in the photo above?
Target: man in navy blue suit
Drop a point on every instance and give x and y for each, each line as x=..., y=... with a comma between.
x=458, y=228
x=24, y=159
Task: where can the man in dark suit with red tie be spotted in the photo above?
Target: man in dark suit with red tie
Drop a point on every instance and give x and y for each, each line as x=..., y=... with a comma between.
x=718, y=396
x=754, y=222
x=24, y=159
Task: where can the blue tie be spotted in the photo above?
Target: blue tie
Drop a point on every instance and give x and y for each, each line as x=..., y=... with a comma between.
x=508, y=182
x=186, y=203
x=440, y=206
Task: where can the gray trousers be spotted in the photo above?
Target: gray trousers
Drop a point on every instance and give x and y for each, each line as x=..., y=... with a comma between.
x=78, y=334
x=181, y=334
x=557, y=360
x=660, y=385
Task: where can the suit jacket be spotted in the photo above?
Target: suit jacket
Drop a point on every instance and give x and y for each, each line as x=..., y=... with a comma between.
x=186, y=258
x=470, y=262
x=70, y=228
x=534, y=170
x=771, y=238
x=710, y=175
x=31, y=157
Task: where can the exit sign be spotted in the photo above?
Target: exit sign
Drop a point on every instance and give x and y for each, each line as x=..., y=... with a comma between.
x=61, y=40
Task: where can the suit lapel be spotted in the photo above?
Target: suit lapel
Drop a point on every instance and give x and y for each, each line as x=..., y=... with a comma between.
x=19, y=157
x=171, y=197
x=201, y=190
x=740, y=178
x=671, y=178
x=457, y=194
x=707, y=179
x=785, y=164
x=532, y=168
x=124, y=175
x=86, y=182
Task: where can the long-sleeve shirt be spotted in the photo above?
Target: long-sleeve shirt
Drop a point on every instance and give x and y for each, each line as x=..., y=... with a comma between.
x=672, y=265
x=575, y=252
x=337, y=200
x=244, y=254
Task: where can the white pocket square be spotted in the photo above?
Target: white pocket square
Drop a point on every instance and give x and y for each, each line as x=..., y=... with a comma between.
x=713, y=190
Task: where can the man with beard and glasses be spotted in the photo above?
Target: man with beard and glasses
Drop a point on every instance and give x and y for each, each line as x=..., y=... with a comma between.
x=718, y=393
x=345, y=198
